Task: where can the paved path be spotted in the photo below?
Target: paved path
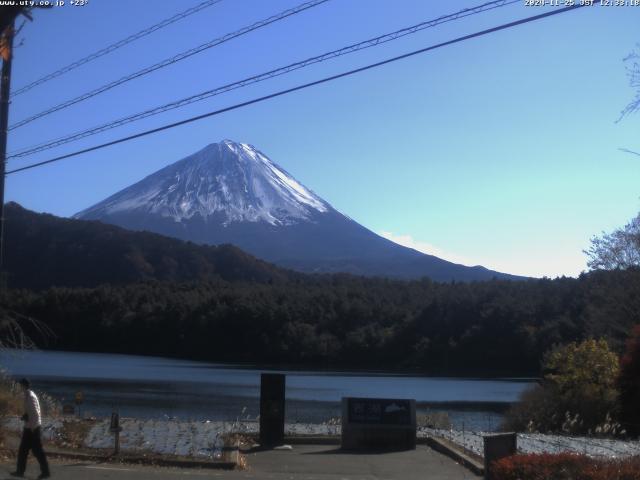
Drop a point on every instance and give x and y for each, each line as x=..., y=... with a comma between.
x=303, y=462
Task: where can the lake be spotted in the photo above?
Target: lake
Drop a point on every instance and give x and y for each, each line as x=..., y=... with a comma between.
x=152, y=387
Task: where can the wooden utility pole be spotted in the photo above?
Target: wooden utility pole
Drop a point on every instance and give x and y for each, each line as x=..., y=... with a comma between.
x=5, y=89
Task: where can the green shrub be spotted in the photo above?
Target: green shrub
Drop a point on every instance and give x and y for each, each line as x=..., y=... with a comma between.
x=578, y=394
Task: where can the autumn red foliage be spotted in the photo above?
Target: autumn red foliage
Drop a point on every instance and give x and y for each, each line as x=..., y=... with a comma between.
x=565, y=466
x=629, y=384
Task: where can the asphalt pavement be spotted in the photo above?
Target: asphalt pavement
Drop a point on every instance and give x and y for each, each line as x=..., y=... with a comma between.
x=303, y=462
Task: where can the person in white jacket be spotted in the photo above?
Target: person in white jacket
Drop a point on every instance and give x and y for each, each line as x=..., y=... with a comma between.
x=31, y=435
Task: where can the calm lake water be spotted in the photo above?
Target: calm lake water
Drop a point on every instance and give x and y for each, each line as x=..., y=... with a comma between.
x=152, y=387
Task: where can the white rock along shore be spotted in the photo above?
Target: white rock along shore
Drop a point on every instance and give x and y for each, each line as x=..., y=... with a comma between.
x=205, y=439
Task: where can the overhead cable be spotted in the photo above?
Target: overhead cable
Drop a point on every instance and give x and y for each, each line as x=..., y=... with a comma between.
x=170, y=61
x=262, y=77
x=115, y=46
x=300, y=87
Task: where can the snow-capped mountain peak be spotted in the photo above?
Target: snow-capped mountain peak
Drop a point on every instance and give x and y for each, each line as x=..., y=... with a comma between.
x=230, y=192
x=233, y=182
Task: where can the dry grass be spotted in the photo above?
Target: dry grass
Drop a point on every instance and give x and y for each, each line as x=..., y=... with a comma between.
x=438, y=420
x=242, y=441
x=74, y=432
x=10, y=402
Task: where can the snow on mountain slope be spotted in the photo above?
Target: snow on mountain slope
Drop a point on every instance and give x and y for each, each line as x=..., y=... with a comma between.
x=230, y=179
x=230, y=192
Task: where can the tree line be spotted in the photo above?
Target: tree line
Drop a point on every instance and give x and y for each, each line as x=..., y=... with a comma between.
x=141, y=293
x=342, y=321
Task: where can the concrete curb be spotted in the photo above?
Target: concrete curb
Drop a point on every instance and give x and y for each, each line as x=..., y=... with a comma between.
x=312, y=439
x=456, y=454
x=233, y=453
x=439, y=445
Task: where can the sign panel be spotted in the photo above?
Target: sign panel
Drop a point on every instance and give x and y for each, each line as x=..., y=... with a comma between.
x=378, y=424
x=272, y=388
x=115, y=423
x=379, y=411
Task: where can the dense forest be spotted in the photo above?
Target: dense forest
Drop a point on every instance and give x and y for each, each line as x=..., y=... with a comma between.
x=140, y=293
x=483, y=328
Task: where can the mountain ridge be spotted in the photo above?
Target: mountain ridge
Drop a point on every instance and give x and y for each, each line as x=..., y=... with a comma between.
x=232, y=193
x=46, y=251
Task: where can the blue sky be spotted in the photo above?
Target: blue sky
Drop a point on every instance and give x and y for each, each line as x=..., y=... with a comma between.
x=501, y=151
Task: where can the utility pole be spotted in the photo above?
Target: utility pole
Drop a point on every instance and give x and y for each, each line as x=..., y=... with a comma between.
x=5, y=89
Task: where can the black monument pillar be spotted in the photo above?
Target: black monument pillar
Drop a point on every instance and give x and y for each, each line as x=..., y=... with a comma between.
x=272, y=409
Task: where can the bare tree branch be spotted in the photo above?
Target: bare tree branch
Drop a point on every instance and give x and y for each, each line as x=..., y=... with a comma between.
x=13, y=328
x=632, y=67
x=619, y=249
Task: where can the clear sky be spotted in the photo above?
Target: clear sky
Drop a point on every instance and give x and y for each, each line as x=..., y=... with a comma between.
x=501, y=151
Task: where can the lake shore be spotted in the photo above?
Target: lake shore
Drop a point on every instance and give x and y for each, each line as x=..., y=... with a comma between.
x=207, y=439
x=152, y=387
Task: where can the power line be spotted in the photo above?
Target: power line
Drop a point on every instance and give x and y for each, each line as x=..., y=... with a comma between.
x=301, y=87
x=170, y=61
x=263, y=76
x=626, y=150
x=115, y=46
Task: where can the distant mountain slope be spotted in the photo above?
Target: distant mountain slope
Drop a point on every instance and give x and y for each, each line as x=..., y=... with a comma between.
x=42, y=250
x=230, y=192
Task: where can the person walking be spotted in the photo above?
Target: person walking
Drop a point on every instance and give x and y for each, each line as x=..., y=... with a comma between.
x=31, y=435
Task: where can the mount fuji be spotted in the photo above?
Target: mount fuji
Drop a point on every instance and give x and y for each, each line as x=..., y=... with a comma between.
x=231, y=192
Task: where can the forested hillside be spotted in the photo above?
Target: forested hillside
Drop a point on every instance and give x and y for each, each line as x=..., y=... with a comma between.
x=103, y=288
x=481, y=328
x=43, y=250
